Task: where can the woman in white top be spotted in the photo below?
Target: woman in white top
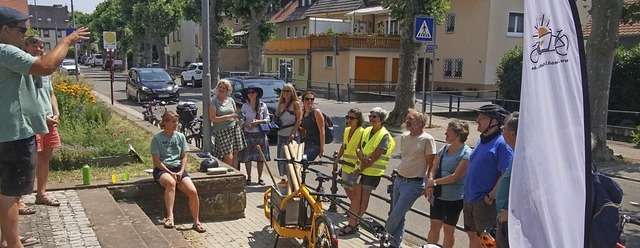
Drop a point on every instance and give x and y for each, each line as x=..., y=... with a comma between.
x=290, y=114
x=253, y=113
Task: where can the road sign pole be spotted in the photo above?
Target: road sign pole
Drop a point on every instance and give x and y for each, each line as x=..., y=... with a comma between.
x=433, y=75
x=425, y=77
x=111, y=66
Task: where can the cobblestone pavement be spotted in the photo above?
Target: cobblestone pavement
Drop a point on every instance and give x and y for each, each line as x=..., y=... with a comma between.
x=61, y=227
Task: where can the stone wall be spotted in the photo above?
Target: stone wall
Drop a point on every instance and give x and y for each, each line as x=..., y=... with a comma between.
x=221, y=197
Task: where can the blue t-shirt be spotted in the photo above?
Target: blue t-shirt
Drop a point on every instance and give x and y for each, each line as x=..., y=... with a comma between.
x=170, y=149
x=502, y=196
x=453, y=192
x=487, y=163
x=21, y=111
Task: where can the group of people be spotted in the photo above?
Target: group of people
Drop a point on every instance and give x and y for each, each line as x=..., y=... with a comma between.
x=453, y=179
x=28, y=132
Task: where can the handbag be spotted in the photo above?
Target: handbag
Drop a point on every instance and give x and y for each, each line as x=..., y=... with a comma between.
x=437, y=190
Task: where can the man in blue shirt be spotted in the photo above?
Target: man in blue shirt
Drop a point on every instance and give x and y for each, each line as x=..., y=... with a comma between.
x=489, y=160
x=22, y=113
x=509, y=133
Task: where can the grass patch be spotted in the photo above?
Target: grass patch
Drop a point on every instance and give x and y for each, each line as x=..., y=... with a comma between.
x=90, y=129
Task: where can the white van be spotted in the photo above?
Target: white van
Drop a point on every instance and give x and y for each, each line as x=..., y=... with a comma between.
x=97, y=60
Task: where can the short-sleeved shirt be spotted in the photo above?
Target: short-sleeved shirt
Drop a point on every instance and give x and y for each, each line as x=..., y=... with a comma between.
x=502, y=196
x=488, y=161
x=230, y=108
x=249, y=115
x=415, y=149
x=170, y=149
x=44, y=94
x=22, y=113
x=450, y=162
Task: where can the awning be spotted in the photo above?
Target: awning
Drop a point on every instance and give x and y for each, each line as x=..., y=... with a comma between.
x=240, y=33
x=369, y=11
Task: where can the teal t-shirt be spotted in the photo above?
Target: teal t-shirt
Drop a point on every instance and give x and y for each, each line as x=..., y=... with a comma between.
x=453, y=192
x=224, y=110
x=22, y=113
x=170, y=149
x=44, y=94
x=502, y=196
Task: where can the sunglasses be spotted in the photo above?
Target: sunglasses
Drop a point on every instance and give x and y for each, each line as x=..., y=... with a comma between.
x=373, y=116
x=309, y=99
x=348, y=117
x=251, y=92
x=21, y=29
x=286, y=90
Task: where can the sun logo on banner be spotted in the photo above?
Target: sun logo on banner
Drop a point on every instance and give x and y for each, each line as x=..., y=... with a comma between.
x=545, y=41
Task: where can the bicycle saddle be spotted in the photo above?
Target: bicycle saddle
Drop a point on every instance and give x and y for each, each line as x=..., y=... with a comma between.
x=322, y=177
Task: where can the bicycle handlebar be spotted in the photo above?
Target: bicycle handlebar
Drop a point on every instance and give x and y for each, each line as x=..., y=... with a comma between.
x=314, y=162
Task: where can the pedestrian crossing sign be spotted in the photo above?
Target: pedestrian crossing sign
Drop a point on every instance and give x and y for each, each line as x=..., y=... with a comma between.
x=423, y=30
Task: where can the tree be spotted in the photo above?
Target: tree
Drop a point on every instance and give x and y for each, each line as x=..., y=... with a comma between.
x=600, y=50
x=261, y=30
x=158, y=18
x=405, y=11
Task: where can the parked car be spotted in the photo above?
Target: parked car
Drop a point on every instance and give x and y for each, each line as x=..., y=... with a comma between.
x=69, y=66
x=88, y=61
x=226, y=74
x=97, y=60
x=147, y=83
x=193, y=75
x=271, y=87
x=116, y=67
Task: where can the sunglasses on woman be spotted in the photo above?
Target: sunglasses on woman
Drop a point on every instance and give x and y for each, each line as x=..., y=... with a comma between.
x=309, y=99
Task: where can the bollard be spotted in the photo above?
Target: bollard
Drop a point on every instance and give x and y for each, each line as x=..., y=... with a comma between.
x=86, y=175
x=450, y=105
x=334, y=185
x=349, y=92
x=394, y=174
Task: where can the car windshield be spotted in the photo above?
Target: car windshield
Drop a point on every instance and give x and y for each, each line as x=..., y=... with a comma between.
x=200, y=67
x=68, y=63
x=154, y=75
x=271, y=88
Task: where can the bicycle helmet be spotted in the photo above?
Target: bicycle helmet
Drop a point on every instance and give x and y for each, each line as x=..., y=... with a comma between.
x=208, y=163
x=494, y=111
x=488, y=238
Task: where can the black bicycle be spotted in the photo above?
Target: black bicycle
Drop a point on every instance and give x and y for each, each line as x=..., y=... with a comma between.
x=193, y=131
x=153, y=109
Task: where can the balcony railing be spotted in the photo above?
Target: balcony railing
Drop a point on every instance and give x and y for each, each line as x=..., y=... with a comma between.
x=326, y=42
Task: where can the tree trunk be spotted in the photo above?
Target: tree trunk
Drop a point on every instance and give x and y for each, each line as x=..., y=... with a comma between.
x=600, y=50
x=255, y=44
x=148, y=47
x=405, y=89
x=162, y=57
x=135, y=60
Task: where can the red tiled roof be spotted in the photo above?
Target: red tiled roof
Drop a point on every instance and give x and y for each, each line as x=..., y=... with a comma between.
x=283, y=13
x=624, y=29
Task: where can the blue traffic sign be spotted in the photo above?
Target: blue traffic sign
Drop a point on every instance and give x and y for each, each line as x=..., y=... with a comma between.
x=424, y=29
x=71, y=30
x=431, y=48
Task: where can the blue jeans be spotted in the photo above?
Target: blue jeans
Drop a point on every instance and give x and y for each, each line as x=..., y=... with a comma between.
x=282, y=141
x=405, y=193
x=312, y=151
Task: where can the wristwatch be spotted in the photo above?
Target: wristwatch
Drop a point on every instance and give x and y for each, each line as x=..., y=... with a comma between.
x=435, y=182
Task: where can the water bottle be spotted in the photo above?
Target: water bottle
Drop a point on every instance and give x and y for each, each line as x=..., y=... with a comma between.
x=86, y=175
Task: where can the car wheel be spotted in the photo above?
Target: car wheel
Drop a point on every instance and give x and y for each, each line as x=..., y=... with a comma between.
x=138, y=97
x=193, y=82
x=182, y=82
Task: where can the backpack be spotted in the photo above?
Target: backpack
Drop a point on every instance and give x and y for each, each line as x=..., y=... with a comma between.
x=328, y=127
x=605, y=220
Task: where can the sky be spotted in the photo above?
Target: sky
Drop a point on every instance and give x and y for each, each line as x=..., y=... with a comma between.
x=86, y=6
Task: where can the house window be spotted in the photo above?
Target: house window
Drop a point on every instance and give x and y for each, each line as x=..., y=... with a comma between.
x=452, y=68
x=304, y=31
x=45, y=33
x=47, y=46
x=179, y=39
x=178, y=58
x=516, y=24
x=328, y=62
x=269, y=65
x=451, y=23
x=174, y=36
x=301, y=67
x=237, y=21
x=288, y=32
x=59, y=33
x=168, y=38
x=196, y=40
x=295, y=32
x=393, y=27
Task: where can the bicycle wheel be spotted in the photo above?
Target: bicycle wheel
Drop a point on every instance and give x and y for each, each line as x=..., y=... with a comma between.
x=324, y=234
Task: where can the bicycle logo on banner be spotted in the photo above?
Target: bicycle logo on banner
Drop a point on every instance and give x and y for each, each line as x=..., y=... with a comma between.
x=546, y=41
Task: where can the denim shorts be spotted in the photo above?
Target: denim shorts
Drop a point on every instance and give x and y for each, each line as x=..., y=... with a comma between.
x=17, y=166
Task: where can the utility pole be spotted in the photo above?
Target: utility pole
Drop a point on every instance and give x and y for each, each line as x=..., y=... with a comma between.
x=75, y=46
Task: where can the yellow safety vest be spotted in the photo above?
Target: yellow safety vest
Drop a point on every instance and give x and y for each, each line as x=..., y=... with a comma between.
x=349, y=154
x=369, y=145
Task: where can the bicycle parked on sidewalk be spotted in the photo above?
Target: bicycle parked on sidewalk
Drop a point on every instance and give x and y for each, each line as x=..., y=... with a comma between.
x=153, y=109
x=190, y=123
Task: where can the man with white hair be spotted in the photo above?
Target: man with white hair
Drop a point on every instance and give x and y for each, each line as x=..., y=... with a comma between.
x=22, y=113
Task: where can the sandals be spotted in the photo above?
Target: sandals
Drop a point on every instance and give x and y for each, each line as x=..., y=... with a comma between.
x=248, y=181
x=261, y=182
x=198, y=228
x=348, y=230
x=168, y=223
x=29, y=241
x=26, y=211
x=44, y=200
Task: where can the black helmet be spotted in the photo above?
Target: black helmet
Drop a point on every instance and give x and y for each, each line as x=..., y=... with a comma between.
x=208, y=163
x=494, y=111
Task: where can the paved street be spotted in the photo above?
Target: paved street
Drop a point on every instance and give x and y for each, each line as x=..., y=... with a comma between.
x=416, y=223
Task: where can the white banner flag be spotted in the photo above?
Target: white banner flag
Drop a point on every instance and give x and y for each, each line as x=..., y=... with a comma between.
x=547, y=196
